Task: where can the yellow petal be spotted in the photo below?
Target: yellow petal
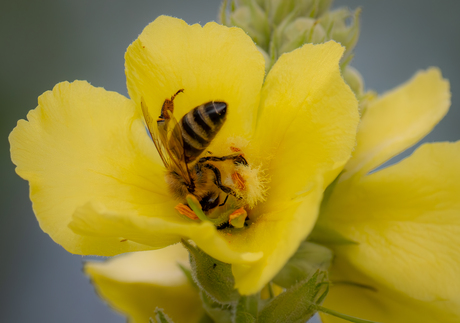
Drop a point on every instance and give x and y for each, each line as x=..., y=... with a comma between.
x=399, y=119
x=305, y=132
x=213, y=62
x=84, y=144
x=137, y=283
x=308, y=120
x=278, y=235
x=383, y=307
x=406, y=221
x=257, y=252
x=98, y=221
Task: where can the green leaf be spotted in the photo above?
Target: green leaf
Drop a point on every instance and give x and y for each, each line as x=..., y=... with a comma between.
x=309, y=258
x=212, y=276
x=161, y=317
x=299, y=303
x=247, y=309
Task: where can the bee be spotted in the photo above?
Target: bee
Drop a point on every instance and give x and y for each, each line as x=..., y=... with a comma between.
x=180, y=144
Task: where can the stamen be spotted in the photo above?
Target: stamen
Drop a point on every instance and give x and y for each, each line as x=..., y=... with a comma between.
x=238, y=217
x=239, y=181
x=185, y=210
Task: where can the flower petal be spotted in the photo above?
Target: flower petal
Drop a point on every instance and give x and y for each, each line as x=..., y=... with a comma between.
x=257, y=252
x=406, y=222
x=308, y=120
x=399, y=119
x=98, y=221
x=278, y=235
x=85, y=144
x=210, y=63
x=135, y=284
x=384, y=307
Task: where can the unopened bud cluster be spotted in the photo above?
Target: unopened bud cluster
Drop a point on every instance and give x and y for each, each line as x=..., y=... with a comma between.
x=278, y=26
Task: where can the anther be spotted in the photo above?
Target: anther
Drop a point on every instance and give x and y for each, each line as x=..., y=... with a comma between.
x=185, y=210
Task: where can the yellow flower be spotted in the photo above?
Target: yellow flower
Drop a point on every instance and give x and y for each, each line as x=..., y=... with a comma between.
x=137, y=283
x=97, y=182
x=404, y=219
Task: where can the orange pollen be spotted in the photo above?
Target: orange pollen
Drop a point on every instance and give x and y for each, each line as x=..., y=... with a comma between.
x=239, y=181
x=185, y=210
x=234, y=149
x=237, y=213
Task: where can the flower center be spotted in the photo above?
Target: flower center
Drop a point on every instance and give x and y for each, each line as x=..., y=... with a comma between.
x=225, y=188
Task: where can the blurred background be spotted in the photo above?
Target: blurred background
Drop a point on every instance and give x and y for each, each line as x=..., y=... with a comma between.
x=48, y=41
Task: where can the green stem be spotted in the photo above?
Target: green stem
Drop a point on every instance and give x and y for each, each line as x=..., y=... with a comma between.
x=340, y=315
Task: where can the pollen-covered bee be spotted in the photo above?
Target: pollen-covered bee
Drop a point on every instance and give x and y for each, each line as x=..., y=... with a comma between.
x=179, y=145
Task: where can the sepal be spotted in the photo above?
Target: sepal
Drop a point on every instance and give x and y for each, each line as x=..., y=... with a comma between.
x=217, y=312
x=212, y=276
x=246, y=309
x=298, y=304
x=161, y=317
x=308, y=259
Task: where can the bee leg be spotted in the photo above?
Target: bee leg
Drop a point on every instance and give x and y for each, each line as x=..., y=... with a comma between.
x=237, y=159
x=209, y=202
x=225, y=201
x=218, y=180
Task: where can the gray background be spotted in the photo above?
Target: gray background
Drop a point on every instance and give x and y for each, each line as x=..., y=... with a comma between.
x=45, y=42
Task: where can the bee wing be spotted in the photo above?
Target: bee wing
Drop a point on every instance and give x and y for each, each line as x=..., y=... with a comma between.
x=171, y=134
x=154, y=133
x=167, y=137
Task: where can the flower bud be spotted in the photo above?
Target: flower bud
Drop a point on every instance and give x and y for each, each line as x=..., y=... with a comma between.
x=249, y=16
x=280, y=26
x=301, y=31
x=339, y=29
x=354, y=80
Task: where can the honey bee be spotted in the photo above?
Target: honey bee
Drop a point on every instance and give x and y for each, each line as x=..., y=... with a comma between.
x=180, y=144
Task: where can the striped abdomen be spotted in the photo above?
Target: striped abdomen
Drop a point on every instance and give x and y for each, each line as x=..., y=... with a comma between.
x=200, y=126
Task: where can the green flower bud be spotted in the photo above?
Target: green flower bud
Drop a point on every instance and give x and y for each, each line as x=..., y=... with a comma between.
x=354, y=80
x=301, y=31
x=340, y=29
x=280, y=26
x=249, y=16
x=365, y=100
x=266, y=57
x=280, y=9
